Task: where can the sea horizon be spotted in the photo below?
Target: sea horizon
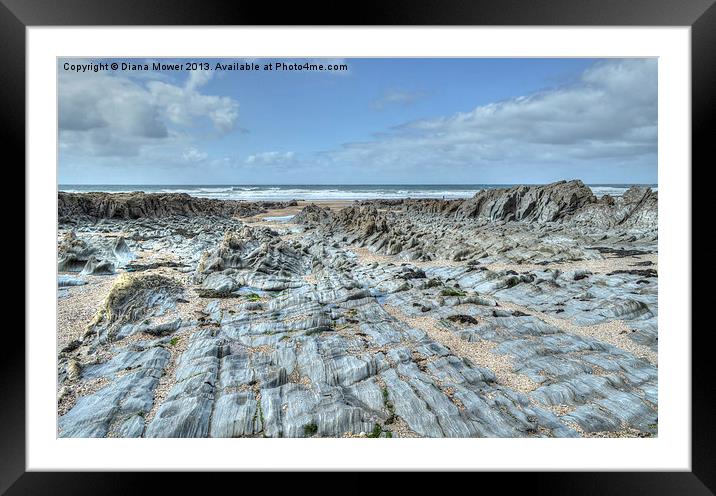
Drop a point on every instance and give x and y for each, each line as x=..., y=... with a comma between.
x=258, y=192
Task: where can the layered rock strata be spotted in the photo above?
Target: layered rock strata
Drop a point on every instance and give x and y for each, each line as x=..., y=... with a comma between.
x=142, y=205
x=522, y=312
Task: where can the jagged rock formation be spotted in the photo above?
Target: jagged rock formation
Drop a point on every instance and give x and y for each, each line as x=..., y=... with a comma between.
x=97, y=266
x=527, y=312
x=312, y=214
x=121, y=251
x=255, y=257
x=73, y=253
x=142, y=205
x=492, y=224
x=548, y=203
x=637, y=209
x=101, y=256
x=132, y=298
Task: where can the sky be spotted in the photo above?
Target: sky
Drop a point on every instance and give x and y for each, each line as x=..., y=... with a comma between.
x=381, y=121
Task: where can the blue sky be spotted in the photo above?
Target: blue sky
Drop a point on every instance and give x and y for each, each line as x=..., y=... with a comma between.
x=381, y=121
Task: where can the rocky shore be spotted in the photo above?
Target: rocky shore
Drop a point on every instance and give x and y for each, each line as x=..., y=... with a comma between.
x=529, y=311
x=138, y=205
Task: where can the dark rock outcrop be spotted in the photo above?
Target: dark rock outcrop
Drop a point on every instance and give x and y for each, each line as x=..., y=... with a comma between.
x=480, y=318
x=132, y=298
x=312, y=214
x=548, y=203
x=139, y=205
x=256, y=257
x=512, y=222
x=94, y=256
x=73, y=253
x=636, y=209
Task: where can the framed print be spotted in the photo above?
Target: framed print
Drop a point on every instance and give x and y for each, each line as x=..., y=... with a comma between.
x=425, y=239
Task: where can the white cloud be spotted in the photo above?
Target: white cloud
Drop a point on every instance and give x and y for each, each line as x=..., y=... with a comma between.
x=270, y=158
x=606, y=119
x=396, y=97
x=197, y=79
x=610, y=112
x=194, y=155
x=113, y=115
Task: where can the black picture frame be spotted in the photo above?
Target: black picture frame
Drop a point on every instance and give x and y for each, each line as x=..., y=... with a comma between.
x=700, y=15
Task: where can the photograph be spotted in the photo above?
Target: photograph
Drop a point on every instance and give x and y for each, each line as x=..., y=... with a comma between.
x=358, y=247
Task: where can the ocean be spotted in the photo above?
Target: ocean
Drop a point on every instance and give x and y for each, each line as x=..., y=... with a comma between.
x=322, y=191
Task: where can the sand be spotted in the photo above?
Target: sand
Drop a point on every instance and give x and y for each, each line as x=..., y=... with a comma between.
x=595, y=266
x=259, y=219
x=76, y=310
x=479, y=352
x=613, y=332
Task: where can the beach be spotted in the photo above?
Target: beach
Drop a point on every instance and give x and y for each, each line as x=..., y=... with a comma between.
x=517, y=311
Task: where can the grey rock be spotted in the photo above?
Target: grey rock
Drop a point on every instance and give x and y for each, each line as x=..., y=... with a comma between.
x=316, y=341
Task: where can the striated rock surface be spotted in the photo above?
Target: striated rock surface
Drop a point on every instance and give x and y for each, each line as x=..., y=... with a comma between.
x=131, y=299
x=548, y=203
x=256, y=257
x=636, y=209
x=100, y=256
x=524, y=224
x=521, y=312
x=141, y=205
x=73, y=253
x=312, y=214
